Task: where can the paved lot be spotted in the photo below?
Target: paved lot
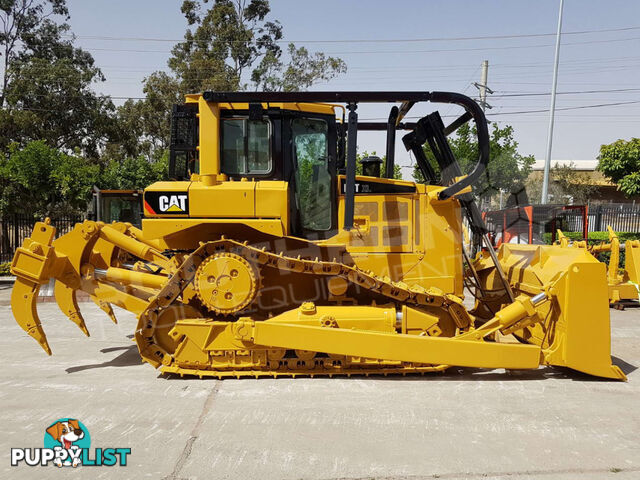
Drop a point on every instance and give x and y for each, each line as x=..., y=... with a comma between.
x=548, y=423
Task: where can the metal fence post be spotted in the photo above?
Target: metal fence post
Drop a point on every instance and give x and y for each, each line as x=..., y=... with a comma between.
x=15, y=231
x=598, y=225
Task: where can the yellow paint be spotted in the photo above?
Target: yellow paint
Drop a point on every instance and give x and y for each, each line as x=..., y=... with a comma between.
x=272, y=201
x=224, y=199
x=209, y=147
x=179, y=234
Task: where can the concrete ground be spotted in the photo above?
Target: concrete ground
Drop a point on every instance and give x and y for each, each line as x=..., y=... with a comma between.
x=549, y=423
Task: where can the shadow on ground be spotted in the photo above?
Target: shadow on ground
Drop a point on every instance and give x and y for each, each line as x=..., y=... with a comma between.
x=131, y=357
x=128, y=358
x=627, y=368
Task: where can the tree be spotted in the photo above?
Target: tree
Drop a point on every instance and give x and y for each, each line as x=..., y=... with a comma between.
x=566, y=185
x=41, y=181
x=228, y=38
x=507, y=168
x=47, y=81
x=134, y=173
x=620, y=162
x=302, y=71
x=235, y=36
x=228, y=43
x=397, y=171
x=21, y=20
x=144, y=125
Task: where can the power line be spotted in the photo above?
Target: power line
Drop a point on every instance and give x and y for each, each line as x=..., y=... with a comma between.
x=396, y=52
x=479, y=48
x=568, y=108
x=380, y=40
x=527, y=111
x=536, y=94
x=462, y=66
x=202, y=73
x=574, y=68
x=415, y=117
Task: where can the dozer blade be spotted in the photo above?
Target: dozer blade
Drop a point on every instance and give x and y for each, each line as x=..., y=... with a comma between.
x=632, y=260
x=573, y=329
x=23, y=304
x=68, y=303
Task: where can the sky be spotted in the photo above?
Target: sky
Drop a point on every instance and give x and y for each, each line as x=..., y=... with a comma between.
x=425, y=45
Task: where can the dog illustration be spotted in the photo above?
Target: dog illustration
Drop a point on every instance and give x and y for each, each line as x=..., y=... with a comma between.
x=67, y=433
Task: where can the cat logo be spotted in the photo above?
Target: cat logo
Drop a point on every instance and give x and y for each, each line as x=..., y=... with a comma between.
x=173, y=203
x=166, y=203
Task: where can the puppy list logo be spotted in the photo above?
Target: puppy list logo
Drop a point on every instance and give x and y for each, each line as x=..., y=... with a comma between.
x=67, y=444
x=67, y=436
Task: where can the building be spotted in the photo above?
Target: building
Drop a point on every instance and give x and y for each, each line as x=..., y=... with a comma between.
x=607, y=192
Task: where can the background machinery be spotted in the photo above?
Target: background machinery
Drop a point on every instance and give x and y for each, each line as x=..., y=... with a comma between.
x=622, y=283
x=267, y=255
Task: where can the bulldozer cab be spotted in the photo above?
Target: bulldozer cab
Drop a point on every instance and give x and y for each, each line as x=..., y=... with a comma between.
x=310, y=145
x=293, y=143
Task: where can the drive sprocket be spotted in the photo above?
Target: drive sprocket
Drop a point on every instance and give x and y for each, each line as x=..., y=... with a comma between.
x=226, y=283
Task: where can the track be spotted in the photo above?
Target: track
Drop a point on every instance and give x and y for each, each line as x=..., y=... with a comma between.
x=152, y=352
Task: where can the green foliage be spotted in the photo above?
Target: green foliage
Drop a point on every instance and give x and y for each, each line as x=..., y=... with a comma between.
x=5, y=269
x=227, y=42
x=133, y=173
x=43, y=181
x=232, y=37
x=577, y=185
x=507, y=169
x=58, y=137
x=24, y=25
x=73, y=177
x=595, y=237
x=227, y=38
x=620, y=162
x=144, y=125
x=47, y=82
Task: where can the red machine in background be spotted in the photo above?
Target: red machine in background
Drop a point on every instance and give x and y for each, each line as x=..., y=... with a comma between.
x=529, y=224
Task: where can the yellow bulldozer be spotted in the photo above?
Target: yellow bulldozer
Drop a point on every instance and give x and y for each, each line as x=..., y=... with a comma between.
x=622, y=284
x=269, y=255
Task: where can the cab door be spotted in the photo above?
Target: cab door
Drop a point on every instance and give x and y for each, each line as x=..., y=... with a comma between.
x=310, y=169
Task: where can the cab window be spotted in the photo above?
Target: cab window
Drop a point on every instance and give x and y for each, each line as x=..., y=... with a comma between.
x=246, y=146
x=313, y=178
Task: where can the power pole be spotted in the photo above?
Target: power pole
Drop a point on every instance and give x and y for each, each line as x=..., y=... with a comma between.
x=483, y=93
x=483, y=89
x=482, y=86
x=552, y=111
